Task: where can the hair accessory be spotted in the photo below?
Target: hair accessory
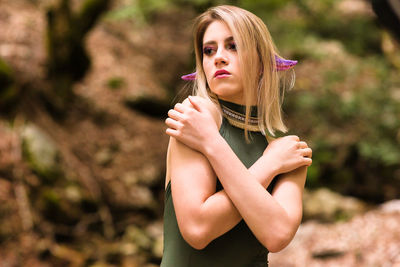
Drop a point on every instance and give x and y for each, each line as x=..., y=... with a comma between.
x=281, y=65
x=189, y=77
x=284, y=64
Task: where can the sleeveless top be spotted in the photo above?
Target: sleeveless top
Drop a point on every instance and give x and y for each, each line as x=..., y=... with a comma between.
x=237, y=247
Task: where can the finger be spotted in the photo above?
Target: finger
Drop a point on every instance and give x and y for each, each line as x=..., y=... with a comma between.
x=195, y=103
x=307, y=161
x=171, y=132
x=294, y=137
x=303, y=144
x=306, y=152
x=173, y=124
x=180, y=107
x=173, y=114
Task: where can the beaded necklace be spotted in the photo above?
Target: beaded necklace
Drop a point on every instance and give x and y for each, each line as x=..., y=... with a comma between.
x=237, y=118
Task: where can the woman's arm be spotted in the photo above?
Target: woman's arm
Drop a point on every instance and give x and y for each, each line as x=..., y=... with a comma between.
x=202, y=213
x=288, y=192
x=273, y=219
x=251, y=199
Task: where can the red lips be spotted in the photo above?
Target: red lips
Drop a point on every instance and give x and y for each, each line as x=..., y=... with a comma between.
x=221, y=72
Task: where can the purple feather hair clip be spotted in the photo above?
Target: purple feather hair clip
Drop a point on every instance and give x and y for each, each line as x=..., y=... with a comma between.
x=189, y=77
x=284, y=64
x=281, y=65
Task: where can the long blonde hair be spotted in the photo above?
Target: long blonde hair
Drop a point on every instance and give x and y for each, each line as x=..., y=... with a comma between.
x=256, y=51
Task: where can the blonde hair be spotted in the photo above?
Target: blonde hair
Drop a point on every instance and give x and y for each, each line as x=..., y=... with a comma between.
x=262, y=83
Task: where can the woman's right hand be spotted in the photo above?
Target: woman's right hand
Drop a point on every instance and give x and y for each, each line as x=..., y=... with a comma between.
x=288, y=153
x=193, y=123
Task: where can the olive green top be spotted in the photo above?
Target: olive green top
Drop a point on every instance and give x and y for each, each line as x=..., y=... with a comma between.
x=236, y=248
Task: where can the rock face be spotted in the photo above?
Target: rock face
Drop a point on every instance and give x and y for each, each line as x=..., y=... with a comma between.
x=328, y=206
x=40, y=152
x=369, y=239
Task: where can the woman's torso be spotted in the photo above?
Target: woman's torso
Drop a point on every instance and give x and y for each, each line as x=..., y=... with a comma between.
x=238, y=247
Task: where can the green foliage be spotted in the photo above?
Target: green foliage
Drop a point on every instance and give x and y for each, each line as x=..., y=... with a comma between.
x=116, y=83
x=41, y=154
x=51, y=198
x=131, y=11
x=142, y=10
x=139, y=10
x=6, y=75
x=8, y=91
x=351, y=122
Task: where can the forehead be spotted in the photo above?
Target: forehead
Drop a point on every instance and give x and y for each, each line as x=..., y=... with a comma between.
x=217, y=30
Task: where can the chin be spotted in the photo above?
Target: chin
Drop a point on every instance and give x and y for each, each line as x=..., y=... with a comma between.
x=226, y=93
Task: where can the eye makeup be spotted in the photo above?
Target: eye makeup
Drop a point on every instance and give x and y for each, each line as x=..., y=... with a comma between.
x=232, y=46
x=208, y=50
x=209, y=47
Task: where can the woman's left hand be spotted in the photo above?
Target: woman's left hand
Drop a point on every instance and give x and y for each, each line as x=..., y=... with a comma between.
x=192, y=123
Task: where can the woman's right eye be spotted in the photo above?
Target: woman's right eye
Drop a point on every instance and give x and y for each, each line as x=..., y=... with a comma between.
x=208, y=50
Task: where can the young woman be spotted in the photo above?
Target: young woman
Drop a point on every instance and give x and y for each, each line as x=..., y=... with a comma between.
x=231, y=196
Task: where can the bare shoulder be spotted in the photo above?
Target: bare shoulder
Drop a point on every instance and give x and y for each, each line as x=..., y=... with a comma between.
x=184, y=162
x=211, y=107
x=181, y=158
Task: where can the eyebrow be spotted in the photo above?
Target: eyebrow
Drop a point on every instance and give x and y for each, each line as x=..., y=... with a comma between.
x=230, y=38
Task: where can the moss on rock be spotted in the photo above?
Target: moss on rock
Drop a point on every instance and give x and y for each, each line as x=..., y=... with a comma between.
x=8, y=90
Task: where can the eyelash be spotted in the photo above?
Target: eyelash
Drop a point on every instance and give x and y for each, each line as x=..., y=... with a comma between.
x=208, y=49
x=232, y=46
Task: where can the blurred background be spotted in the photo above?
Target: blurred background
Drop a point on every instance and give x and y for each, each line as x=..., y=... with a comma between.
x=85, y=86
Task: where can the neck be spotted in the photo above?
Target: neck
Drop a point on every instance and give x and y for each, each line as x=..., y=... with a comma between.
x=240, y=101
x=236, y=115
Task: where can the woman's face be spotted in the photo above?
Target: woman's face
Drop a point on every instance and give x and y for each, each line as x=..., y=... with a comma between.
x=221, y=63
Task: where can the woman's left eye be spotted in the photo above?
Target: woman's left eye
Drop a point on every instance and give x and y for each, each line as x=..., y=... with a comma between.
x=232, y=46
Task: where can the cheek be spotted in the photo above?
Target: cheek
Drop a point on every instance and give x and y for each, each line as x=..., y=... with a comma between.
x=207, y=69
x=235, y=60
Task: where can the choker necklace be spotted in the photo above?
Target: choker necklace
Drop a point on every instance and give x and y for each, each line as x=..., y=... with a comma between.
x=237, y=118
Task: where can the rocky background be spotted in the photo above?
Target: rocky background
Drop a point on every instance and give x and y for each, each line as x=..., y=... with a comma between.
x=84, y=90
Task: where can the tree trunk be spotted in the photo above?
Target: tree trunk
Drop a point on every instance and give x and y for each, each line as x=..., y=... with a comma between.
x=67, y=59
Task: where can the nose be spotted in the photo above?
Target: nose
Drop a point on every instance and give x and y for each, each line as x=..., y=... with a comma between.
x=221, y=58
